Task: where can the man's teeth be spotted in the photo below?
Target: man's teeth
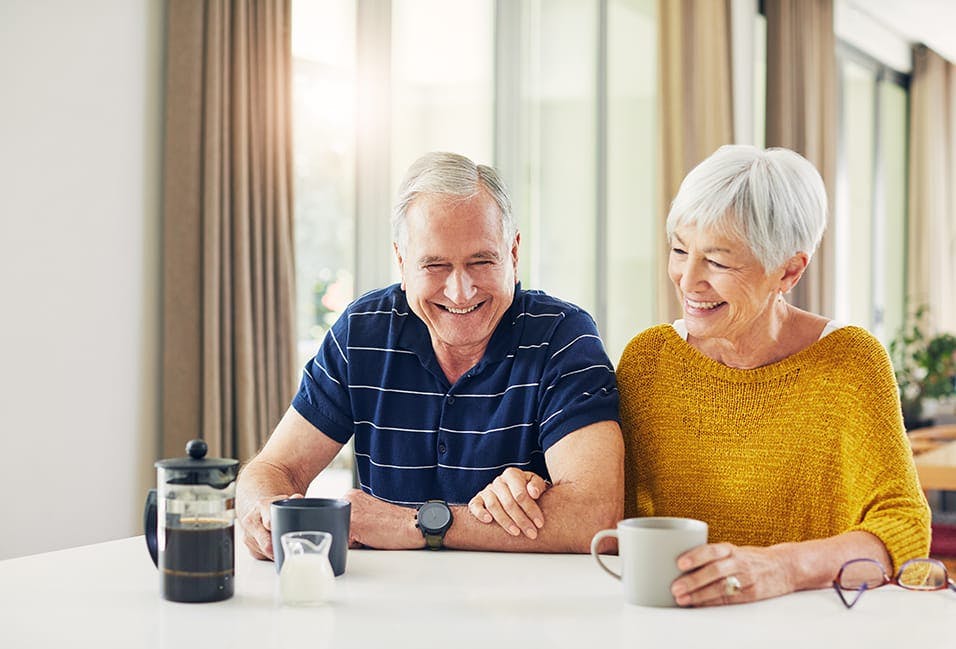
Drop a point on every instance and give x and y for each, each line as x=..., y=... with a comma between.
x=703, y=305
x=462, y=311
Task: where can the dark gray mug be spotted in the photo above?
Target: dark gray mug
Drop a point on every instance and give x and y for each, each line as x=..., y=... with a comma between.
x=313, y=515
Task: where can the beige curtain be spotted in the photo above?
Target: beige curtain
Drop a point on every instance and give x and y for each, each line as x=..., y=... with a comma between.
x=696, y=103
x=931, y=258
x=802, y=115
x=228, y=347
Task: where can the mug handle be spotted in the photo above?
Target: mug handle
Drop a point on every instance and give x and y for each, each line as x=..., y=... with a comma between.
x=149, y=526
x=603, y=534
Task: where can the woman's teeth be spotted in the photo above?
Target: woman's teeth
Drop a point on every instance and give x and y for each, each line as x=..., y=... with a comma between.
x=703, y=305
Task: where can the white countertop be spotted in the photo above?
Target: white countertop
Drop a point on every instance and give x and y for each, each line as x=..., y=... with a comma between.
x=107, y=595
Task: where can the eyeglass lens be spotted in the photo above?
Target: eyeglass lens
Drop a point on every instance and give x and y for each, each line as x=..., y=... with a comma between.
x=862, y=573
x=917, y=574
x=923, y=575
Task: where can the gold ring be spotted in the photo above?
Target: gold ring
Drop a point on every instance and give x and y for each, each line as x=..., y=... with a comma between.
x=732, y=586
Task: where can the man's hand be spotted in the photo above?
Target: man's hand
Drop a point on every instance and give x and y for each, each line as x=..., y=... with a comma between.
x=511, y=501
x=257, y=526
x=378, y=524
x=293, y=456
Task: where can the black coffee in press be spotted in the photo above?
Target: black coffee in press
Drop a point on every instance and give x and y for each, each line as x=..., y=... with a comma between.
x=198, y=562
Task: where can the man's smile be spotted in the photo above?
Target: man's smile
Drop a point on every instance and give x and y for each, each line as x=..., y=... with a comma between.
x=463, y=311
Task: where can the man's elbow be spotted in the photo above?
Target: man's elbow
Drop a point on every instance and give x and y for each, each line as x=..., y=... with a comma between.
x=611, y=511
x=603, y=513
x=615, y=510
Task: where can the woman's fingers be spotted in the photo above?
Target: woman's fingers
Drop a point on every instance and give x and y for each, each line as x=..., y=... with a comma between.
x=511, y=501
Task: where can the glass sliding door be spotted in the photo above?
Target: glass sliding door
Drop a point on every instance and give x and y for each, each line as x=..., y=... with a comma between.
x=580, y=111
x=323, y=127
x=442, y=80
x=870, y=219
x=890, y=252
x=635, y=218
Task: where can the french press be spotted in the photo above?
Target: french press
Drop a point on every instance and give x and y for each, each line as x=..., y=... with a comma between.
x=189, y=523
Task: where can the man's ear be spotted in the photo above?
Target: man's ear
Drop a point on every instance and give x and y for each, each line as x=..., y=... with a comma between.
x=514, y=253
x=793, y=270
x=400, y=261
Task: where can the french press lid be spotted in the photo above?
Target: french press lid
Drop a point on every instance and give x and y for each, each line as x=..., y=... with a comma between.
x=197, y=469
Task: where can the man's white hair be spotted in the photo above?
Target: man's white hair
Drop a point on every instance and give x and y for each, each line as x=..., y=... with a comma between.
x=455, y=176
x=774, y=199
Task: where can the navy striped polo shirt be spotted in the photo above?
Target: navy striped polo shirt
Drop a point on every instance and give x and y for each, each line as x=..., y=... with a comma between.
x=376, y=377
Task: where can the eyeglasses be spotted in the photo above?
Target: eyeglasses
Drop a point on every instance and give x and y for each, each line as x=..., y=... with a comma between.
x=860, y=575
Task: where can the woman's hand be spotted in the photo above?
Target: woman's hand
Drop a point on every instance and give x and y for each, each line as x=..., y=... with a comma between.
x=511, y=501
x=761, y=572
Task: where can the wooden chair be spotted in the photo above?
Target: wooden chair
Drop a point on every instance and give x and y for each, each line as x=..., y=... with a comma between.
x=934, y=451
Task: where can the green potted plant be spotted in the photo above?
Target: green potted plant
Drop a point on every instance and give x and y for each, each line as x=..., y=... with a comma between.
x=925, y=366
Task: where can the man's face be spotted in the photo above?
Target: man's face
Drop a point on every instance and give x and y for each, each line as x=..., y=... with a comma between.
x=458, y=272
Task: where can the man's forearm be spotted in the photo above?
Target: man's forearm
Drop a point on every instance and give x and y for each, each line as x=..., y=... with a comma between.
x=571, y=518
x=260, y=479
x=587, y=467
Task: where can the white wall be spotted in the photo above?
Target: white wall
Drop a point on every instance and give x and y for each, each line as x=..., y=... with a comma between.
x=80, y=173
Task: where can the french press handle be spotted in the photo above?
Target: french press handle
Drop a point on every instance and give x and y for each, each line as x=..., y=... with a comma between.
x=150, y=524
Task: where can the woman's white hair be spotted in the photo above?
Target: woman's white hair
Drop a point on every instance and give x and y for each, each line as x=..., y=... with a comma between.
x=774, y=199
x=455, y=176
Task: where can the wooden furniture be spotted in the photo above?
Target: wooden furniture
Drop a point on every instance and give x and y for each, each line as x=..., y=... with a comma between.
x=934, y=451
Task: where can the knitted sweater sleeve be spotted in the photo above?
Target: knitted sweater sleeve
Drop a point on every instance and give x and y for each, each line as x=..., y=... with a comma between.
x=892, y=505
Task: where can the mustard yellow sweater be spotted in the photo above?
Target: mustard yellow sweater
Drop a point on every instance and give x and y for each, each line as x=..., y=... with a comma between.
x=808, y=447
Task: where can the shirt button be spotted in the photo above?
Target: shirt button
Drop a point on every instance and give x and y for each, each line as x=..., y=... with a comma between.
x=441, y=449
x=450, y=400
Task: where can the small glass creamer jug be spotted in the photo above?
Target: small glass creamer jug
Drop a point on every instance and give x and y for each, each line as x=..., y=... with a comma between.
x=306, y=578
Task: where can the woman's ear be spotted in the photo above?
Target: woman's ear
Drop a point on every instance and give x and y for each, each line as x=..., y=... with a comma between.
x=793, y=270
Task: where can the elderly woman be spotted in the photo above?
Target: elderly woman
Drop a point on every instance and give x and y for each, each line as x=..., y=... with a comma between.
x=778, y=427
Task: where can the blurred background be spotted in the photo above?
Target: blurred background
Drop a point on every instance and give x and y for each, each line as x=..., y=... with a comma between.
x=593, y=110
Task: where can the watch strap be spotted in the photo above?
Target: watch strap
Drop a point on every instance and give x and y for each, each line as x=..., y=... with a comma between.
x=435, y=541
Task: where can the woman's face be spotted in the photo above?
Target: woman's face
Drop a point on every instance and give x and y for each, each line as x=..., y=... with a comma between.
x=723, y=289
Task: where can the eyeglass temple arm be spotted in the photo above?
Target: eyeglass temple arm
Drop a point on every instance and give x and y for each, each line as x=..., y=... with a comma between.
x=860, y=591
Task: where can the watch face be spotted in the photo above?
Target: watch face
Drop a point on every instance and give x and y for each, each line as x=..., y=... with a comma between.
x=434, y=516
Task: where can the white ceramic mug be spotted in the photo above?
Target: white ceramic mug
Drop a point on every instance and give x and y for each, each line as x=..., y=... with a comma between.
x=649, y=548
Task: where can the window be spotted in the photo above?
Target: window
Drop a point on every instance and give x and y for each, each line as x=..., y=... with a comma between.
x=576, y=141
x=323, y=131
x=760, y=80
x=442, y=93
x=871, y=195
x=323, y=96
x=635, y=216
x=559, y=95
x=558, y=103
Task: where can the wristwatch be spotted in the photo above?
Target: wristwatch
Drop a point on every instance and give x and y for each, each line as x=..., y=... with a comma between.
x=434, y=518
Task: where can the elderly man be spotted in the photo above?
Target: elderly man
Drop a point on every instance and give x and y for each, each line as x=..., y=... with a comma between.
x=484, y=417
